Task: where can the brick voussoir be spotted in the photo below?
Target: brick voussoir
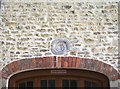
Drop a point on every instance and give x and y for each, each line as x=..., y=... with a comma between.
x=61, y=62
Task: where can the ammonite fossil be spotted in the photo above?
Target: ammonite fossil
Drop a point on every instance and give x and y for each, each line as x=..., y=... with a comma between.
x=60, y=46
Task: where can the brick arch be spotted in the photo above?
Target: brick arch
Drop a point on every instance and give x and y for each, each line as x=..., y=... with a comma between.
x=60, y=62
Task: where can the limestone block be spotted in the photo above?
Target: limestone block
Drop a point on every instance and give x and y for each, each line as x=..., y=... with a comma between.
x=111, y=49
x=90, y=26
x=88, y=40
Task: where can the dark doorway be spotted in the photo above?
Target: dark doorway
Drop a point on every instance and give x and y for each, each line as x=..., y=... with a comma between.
x=58, y=79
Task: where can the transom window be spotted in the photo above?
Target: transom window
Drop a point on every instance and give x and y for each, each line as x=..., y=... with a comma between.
x=69, y=84
x=47, y=84
x=25, y=85
x=90, y=84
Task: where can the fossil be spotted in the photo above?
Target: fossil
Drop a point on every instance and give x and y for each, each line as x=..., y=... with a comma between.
x=60, y=46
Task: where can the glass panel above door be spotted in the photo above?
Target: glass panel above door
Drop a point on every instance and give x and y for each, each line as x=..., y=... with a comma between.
x=65, y=84
x=73, y=84
x=51, y=84
x=30, y=85
x=21, y=86
x=43, y=84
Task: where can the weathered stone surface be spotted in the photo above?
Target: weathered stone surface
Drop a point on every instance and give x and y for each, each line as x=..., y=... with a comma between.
x=28, y=29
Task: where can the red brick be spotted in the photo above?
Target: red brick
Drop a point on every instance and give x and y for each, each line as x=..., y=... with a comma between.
x=74, y=62
x=43, y=61
x=33, y=63
x=47, y=62
x=65, y=64
x=51, y=61
x=5, y=73
x=100, y=66
x=108, y=70
x=62, y=62
x=55, y=61
x=16, y=65
x=11, y=68
x=70, y=61
x=59, y=62
x=77, y=62
x=24, y=64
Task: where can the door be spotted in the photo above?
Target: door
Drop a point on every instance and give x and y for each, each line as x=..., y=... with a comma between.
x=47, y=79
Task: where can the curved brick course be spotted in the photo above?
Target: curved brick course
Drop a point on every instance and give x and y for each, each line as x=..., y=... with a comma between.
x=60, y=62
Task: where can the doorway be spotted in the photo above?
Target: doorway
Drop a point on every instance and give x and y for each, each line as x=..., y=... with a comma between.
x=58, y=79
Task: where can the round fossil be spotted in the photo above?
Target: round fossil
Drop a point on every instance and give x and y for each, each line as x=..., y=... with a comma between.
x=60, y=46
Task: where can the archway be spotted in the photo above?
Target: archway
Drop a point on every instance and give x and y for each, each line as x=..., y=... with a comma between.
x=60, y=63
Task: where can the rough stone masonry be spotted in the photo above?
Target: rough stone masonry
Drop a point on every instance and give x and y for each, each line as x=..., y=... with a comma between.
x=28, y=28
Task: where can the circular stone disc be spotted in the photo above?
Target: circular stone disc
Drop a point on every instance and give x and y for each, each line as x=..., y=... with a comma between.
x=60, y=46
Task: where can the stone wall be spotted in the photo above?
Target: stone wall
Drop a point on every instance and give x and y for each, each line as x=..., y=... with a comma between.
x=27, y=29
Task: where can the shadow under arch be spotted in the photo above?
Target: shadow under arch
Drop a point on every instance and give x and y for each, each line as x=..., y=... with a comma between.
x=81, y=75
